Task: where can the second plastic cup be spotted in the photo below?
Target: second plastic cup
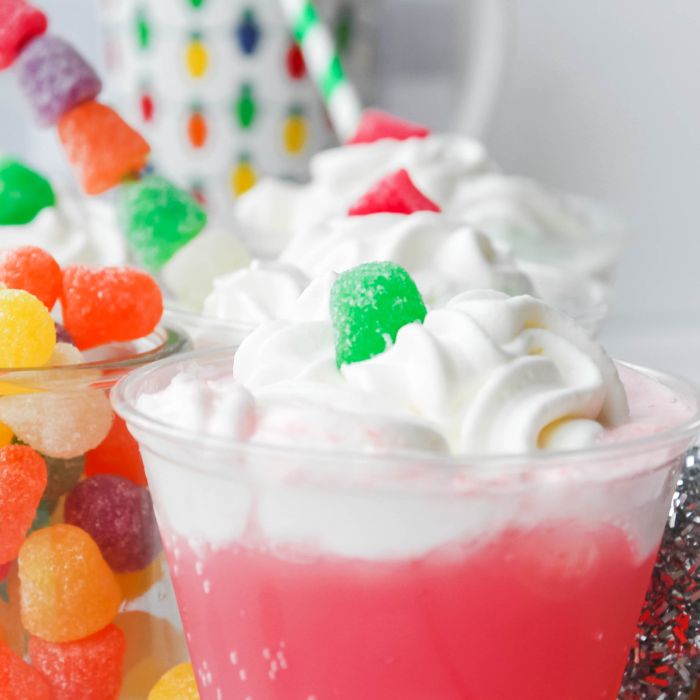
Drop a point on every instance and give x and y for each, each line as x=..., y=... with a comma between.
x=311, y=574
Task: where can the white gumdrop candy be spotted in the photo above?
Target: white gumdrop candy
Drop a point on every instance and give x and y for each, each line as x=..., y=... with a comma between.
x=189, y=274
x=64, y=425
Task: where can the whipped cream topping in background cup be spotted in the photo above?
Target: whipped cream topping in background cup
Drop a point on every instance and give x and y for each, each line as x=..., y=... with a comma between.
x=282, y=549
x=538, y=223
x=75, y=399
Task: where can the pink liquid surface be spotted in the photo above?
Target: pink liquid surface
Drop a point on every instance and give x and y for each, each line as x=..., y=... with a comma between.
x=546, y=614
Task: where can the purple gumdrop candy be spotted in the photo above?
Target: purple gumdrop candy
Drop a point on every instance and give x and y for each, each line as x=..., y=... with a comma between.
x=119, y=516
x=62, y=335
x=55, y=78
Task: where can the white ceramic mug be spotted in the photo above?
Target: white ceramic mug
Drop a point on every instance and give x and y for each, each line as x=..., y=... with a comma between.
x=220, y=90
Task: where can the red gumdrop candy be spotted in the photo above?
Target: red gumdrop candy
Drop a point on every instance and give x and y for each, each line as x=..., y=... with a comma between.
x=22, y=482
x=19, y=24
x=118, y=454
x=107, y=305
x=376, y=124
x=18, y=680
x=101, y=146
x=395, y=194
x=87, y=668
x=34, y=270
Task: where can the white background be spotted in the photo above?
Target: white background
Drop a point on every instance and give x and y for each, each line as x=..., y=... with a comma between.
x=601, y=97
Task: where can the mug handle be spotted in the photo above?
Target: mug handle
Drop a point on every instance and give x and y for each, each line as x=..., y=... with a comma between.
x=488, y=30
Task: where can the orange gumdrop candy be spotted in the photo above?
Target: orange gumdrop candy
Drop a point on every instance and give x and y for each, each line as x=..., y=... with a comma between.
x=117, y=454
x=101, y=146
x=87, y=668
x=67, y=590
x=18, y=680
x=34, y=270
x=23, y=479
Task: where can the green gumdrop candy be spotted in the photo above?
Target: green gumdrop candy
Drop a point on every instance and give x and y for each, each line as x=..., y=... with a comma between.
x=23, y=193
x=369, y=305
x=157, y=219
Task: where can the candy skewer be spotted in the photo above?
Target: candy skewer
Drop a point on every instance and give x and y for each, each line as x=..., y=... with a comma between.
x=105, y=152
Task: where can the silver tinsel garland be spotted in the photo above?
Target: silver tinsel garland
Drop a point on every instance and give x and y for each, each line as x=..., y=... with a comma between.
x=665, y=660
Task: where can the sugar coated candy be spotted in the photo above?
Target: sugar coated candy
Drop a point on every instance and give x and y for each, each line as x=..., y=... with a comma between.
x=376, y=124
x=59, y=424
x=190, y=273
x=111, y=304
x=395, y=194
x=135, y=583
x=43, y=515
x=369, y=305
x=177, y=684
x=102, y=148
x=22, y=483
x=89, y=668
x=63, y=336
x=64, y=354
x=117, y=454
x=18, y=680
x=68, y=591
x=6, y=435
x=153, y=645
x=34, y=270
x=23, y=192
x=55, y=78
x=19, y=24
x=119, y=516
x=63, y=475
x=27, y=331
x=158, y=218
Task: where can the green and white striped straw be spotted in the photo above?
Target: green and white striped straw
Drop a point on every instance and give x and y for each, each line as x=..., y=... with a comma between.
x=324, y=65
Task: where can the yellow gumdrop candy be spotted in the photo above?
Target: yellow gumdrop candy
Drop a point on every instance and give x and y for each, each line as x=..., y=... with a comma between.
x=135, y=583
x=177, y=684
x=27, y=331
x=5, y=435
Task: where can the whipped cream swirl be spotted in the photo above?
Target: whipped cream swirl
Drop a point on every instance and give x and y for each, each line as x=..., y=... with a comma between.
x=264, y=291
x=273, y=210
x=485, y=374
x=75, y=231
x=455, y=172
x=443, y=257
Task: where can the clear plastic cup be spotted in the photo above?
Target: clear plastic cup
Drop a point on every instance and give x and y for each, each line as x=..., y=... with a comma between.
x=307, y=573
x=65, y=413
x=595, y=255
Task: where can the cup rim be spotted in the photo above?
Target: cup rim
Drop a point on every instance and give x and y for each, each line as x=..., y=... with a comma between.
x=490, y=465
x=163, y=342
x=183, y=316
